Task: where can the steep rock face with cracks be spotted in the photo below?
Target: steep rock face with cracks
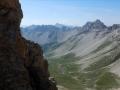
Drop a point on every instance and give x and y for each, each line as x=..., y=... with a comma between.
x=22, y=65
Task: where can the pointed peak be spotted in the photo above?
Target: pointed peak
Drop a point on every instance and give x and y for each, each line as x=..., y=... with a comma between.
x=97, y=20
x=97, y=24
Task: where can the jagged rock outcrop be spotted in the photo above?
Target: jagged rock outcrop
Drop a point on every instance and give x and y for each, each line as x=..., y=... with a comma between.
x=22, y=65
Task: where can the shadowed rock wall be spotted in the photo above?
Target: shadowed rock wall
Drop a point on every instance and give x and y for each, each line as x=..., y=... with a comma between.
x=22, y=65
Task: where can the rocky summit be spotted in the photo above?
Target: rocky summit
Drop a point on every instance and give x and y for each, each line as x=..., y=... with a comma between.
x=22, y=65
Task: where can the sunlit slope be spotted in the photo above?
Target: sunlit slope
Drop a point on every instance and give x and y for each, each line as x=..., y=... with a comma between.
x=81, y=58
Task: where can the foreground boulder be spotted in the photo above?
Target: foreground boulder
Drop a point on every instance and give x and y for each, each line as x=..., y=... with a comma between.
x=22, y=65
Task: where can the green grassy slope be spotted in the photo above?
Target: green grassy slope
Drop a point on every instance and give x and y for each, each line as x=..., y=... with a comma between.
x=70, y=75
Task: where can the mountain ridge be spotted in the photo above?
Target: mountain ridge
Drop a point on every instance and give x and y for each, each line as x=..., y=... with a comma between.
x=51, y=30
x=97, y=21
x=87, y=55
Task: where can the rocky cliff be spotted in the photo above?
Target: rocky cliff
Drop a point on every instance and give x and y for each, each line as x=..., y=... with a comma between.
x=22, y=65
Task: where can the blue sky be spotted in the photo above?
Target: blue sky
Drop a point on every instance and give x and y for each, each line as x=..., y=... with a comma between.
x=70, y=12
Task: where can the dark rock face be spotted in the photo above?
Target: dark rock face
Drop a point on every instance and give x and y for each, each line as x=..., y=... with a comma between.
x=22, y=65
x=114, y=27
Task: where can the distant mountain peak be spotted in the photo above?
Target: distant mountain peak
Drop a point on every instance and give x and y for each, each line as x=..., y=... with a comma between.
x=98, y=21
x=59, y=25
x=97, y=24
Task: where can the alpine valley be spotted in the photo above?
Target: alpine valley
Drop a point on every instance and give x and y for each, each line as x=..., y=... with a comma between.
x=80, y=58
